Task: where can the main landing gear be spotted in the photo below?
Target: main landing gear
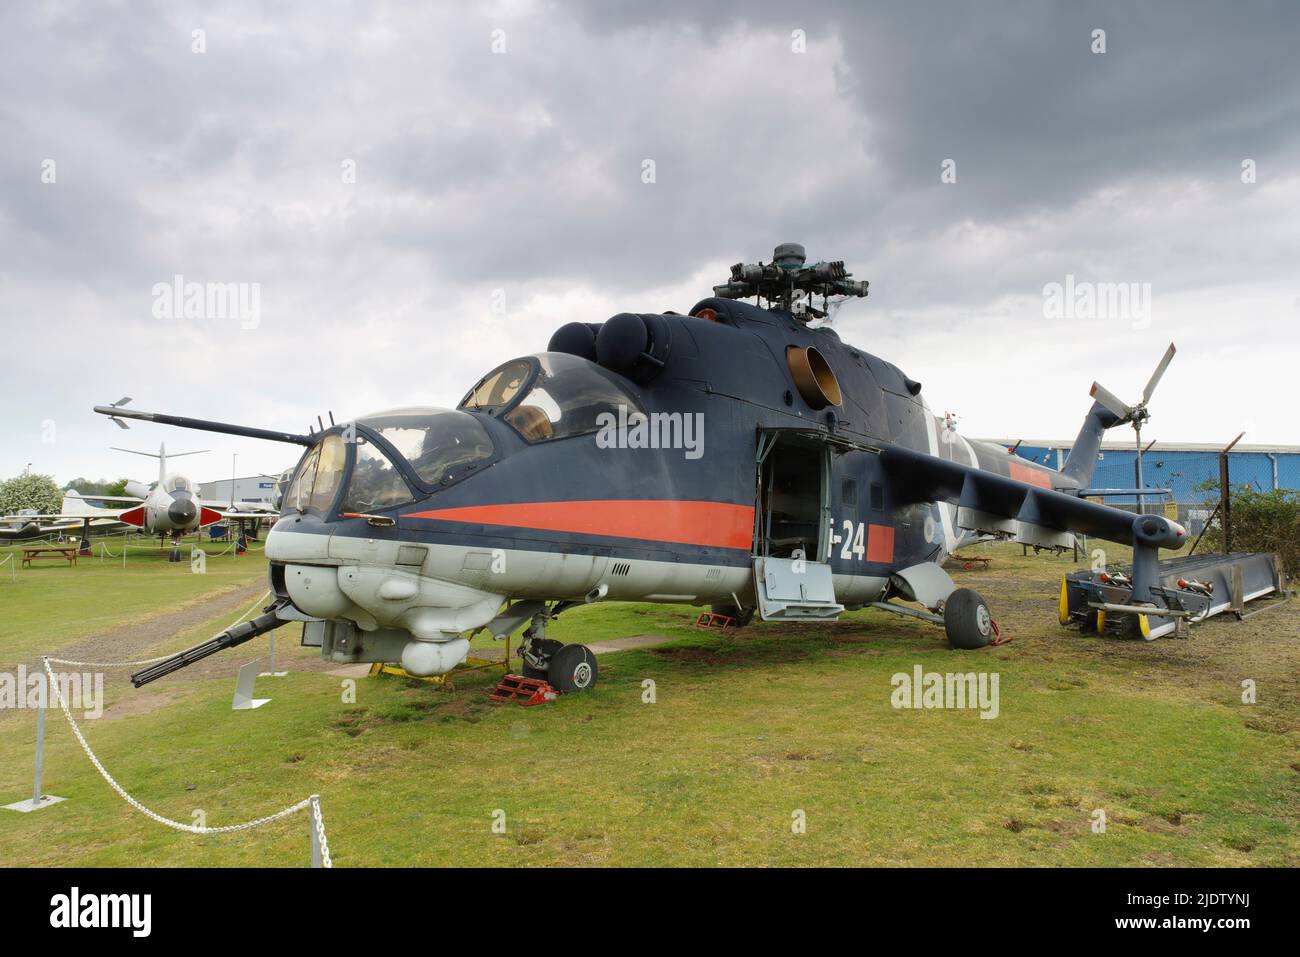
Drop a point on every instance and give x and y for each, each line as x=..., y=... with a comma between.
x=964, y=616
x=967, y=621
x=566, y=668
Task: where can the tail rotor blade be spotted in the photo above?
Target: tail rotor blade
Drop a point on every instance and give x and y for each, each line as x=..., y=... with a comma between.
x=1109, y=400
x=1160, y=371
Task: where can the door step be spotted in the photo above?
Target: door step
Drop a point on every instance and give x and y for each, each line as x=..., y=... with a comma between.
x=791, y=589
x=524, y=691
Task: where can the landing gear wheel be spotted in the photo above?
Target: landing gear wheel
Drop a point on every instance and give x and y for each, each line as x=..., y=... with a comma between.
x=966, y=619
x=739, y=617
x=542, y=649
x=573, y=668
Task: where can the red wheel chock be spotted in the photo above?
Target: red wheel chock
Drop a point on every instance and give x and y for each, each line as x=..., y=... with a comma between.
x=524, y=691
x=709, y=619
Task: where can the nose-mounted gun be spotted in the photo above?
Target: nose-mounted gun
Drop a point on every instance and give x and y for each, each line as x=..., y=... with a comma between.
x=269, y=620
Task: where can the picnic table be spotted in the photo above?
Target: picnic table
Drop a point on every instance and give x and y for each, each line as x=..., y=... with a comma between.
x=68, y=552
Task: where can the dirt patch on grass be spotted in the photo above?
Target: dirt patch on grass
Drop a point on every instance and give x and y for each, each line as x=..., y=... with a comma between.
x=133, y=641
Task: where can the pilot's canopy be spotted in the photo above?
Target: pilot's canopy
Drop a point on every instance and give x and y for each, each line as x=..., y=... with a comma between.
x=549, y=396
x=178, y=483
x=438, y=445
x=394, y=457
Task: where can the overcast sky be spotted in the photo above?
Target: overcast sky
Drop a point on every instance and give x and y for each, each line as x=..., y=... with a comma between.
x=420, y=192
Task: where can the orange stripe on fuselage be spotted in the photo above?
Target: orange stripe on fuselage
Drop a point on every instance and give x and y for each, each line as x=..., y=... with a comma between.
x=709, y=524
x=1030, y=476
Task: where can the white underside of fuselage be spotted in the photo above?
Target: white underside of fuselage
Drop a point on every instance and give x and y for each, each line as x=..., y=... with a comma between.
x=436, y=593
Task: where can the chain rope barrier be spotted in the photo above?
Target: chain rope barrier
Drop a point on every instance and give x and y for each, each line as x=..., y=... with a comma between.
x=312, y=802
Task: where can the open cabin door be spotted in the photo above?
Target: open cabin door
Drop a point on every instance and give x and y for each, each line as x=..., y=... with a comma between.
x=792, y=578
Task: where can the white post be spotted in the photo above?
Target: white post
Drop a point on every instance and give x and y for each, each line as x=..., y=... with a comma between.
x=38, y=800
x=274, y=672
x=40, y=752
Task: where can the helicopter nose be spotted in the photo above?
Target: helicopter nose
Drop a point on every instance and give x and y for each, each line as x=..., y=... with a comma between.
x=181, y=512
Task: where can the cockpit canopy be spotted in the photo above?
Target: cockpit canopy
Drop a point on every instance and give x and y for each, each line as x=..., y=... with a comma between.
x=388, y=458
x=178, y=483
x=437, y=445
x=549, y=396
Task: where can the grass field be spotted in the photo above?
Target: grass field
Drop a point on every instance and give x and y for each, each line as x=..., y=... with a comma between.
x=748, y=728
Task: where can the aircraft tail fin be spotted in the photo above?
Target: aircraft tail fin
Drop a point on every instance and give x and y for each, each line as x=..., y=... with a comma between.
x=160, y=455
x=1082, y=460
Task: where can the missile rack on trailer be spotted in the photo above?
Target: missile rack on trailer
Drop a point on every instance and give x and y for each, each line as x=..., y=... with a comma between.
x=1193, y=588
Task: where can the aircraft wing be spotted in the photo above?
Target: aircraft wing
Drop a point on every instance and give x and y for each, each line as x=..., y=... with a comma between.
x=253, y=515
x=988, y=502
x=95, y=515
x=75, y=508
x=17, y=532
x=244, y=509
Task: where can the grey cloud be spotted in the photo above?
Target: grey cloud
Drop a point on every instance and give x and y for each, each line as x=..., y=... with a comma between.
x=522, y=172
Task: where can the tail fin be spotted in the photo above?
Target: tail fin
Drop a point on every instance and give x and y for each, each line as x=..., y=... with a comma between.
x=1082, y=460
x=161, y=456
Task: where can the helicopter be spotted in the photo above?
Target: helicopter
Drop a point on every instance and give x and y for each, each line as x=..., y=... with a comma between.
x=739, y=456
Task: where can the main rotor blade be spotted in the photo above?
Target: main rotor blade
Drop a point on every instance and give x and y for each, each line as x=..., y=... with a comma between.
x=1109, y=400
x=1155, y=376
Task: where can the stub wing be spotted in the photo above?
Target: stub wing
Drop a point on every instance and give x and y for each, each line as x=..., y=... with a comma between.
x=999, y=505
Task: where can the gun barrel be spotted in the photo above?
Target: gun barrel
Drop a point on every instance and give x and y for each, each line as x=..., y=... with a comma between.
x=235, y=635
x=204, y=425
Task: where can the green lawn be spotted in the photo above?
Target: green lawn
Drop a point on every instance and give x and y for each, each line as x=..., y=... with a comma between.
x=748, y=728
x=52, y=603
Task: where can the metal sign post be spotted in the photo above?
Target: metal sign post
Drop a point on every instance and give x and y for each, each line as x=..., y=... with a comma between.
x=38, y=799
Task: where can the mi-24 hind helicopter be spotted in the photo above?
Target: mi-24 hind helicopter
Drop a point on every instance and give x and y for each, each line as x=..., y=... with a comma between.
x=737, y=456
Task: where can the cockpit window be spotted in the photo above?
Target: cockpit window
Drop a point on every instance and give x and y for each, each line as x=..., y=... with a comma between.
x=499, y=387
x=375, y=483
x=438, y=443
x=318, y=477
x=567, y=398
x=179, y=483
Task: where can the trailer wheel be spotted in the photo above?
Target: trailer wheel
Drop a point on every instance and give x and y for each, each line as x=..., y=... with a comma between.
x=573, y=668
x=966, y=619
